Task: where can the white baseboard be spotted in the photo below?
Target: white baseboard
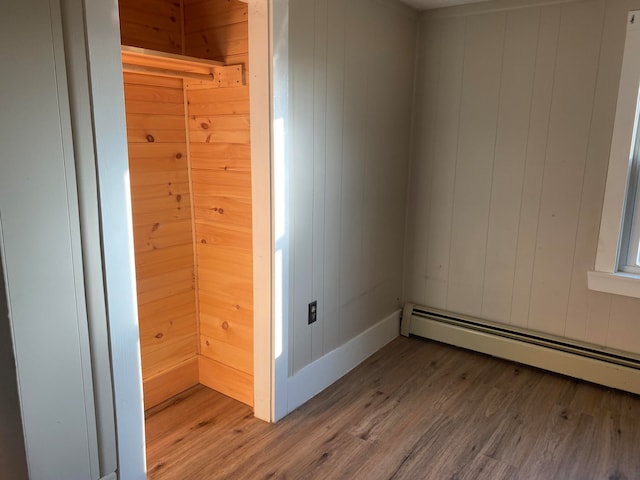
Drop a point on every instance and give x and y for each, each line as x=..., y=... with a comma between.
x=573, y=365
x=318, y=375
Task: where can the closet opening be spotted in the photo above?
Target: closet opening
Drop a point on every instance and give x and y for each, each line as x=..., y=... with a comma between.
x=185, y=70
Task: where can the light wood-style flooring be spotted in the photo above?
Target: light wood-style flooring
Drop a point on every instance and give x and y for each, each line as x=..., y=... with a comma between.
x=414, y=410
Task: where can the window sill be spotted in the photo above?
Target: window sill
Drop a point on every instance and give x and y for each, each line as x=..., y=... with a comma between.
x=619, y=283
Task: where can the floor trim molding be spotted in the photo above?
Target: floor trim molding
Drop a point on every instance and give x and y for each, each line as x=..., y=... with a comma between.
x=317, y=376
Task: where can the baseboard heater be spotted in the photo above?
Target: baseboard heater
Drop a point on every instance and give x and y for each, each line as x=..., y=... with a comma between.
x=587, y=362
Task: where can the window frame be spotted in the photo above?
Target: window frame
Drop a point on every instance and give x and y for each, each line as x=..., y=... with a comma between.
x=621, y=209
x=630, y=239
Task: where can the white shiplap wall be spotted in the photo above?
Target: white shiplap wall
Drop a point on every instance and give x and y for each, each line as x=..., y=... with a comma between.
x=515, y=107
x=351, y=81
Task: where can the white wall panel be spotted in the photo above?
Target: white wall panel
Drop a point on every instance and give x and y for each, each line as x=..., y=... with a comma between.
x=583, y=303
x=331, y=311
x=545, y=61
x=442, y=177
x=40, y=242
x=569, y=122
x=319, y=168
x=484, y=44
x=518, y=66
x=424, y=113
x=532, y=134
x=351, y=74
x=301, y=27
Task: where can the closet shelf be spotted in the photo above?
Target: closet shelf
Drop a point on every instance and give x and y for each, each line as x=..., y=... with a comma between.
x=217, y=74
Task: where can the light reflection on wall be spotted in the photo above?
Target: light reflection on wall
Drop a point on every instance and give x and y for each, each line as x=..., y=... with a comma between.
x=134, y=294
x=280, y=196
x=280, y=228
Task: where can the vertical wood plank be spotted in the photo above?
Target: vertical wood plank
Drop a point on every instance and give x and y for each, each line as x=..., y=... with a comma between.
x=383, y=192
x=534, y=166
x=333, y=188
x=319, y=171
x=425, y=120
x=478, y=123
x=393, y=122
x=521, y=40
x=350, y=150
x=374, y=156
x=445, y=160
x=569, y=123
x=588, y=310
x=356, y=85
x=302, y=121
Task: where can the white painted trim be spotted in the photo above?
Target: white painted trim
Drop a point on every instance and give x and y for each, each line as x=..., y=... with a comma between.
x=621, y=152
x=86, y=178
x=317, y=376
x=110, y=137
x=280, y=206
x=618, y=283
x=261, y=184
x=592, y=370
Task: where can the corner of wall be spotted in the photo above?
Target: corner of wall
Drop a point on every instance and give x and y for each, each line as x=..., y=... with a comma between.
x=415, y=86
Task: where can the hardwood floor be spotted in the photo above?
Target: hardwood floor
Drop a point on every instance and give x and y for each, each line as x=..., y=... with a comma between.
x=415, y=410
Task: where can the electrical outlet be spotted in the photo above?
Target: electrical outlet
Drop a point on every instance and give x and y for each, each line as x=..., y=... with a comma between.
x=313, y=312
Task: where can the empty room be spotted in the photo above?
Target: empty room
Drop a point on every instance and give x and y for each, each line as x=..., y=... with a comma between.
x=332, y=239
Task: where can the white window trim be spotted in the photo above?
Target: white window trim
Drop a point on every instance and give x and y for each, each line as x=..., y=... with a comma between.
x=607, y=276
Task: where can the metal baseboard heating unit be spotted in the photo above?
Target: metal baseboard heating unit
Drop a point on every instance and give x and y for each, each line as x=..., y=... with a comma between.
x=587, y=362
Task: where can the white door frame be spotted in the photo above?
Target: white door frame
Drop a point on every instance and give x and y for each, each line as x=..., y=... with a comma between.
x=261, y=185
x=104, y=66
x=105, y=85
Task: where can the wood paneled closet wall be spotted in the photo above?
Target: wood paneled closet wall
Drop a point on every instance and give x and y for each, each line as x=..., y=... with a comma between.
x=189, y=153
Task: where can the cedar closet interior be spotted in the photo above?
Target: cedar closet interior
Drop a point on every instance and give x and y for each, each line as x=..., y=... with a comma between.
x=185, y=65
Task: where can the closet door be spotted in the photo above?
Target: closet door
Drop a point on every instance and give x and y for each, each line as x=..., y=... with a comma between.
x=40, y=242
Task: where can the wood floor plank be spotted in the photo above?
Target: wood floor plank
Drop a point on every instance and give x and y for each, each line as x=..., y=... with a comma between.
x=415, y=410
